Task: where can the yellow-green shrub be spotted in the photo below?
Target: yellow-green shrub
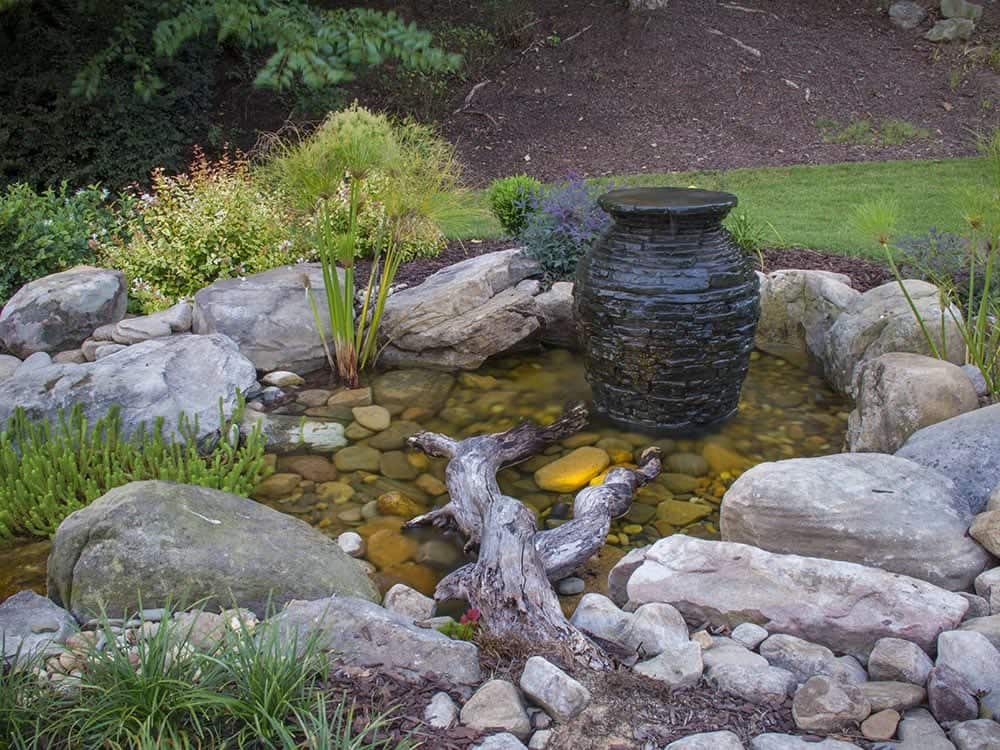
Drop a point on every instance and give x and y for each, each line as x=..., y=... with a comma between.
x=408, y=170
x=210, y=223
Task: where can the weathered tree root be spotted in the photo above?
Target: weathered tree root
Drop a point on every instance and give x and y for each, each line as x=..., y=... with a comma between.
x=510, y=582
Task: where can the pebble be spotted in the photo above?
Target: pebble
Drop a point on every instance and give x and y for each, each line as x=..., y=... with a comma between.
x=881, y=725
x=357, y=457
x=570, y=586
x=277, y=486
x=573, y=471
x=441, y=712
x=431, y=485
x=351, y=397
x=336, y=492
x=396, y=465
x=374, y=418
x=282, y=379
x=690, y=464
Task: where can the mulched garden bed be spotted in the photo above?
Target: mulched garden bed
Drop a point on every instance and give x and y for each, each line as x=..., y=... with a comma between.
x=628, y=711
x=865, y=274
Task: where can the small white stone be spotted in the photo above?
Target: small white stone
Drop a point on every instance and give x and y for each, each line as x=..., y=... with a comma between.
x=441, y=712
x=352, y=543
x=282, y=379
x=409, y=602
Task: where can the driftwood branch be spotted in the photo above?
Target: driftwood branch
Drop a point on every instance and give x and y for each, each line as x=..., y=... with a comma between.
x=510, y=582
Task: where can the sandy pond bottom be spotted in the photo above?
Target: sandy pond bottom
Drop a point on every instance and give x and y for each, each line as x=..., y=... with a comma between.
x=784, y=413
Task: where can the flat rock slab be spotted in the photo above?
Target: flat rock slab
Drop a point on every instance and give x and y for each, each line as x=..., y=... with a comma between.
x=157, y=378
x=868, y=508
x=162, y=543
x=844, y=606
x=966, y=449
x=362, y=633
x=463, y=314
x=59, y=311
x=269, y=317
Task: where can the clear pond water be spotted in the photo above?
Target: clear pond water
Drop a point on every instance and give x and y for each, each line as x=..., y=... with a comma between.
x=784, y=413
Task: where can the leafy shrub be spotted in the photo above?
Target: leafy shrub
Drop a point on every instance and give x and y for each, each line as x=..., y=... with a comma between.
x=42, y=233
x=512, y=200
x=563, y=225
x=213, y=222
x=406, y=172
x=52, y=470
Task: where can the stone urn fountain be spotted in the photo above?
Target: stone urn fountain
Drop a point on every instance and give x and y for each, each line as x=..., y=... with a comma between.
x=666, y=306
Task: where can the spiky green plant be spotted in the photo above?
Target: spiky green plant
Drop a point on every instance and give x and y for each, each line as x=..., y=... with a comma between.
x=51, y=470
x=973, y=307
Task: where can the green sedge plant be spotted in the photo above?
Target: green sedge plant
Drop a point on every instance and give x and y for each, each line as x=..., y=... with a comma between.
x=972, y=303
x=419, y=193
x=54, y=468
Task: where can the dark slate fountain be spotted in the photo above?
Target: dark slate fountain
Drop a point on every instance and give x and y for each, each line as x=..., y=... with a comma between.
x=667, y=306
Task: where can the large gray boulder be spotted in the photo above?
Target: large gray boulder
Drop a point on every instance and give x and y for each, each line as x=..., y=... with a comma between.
x=843, y=606
x=58, y=312
x=966, y=449
x=797, y=309
x=269, y=317
x=159, y=543
x=881, y=321
x=463, y=314
x=157, y=378
x=31, y=624
x=868, y=508
x=898, y=393
x=361, y=633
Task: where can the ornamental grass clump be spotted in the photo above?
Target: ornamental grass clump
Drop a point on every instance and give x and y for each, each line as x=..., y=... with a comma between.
x=400, y=162
x=374, y=188
x=167, y=685
x=51, y=470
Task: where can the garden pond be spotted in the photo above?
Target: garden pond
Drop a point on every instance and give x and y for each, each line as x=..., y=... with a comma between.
x=375, y=484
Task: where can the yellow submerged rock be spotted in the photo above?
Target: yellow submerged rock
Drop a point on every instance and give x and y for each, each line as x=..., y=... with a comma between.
x=573, y=471
x=720, y=459
x=398, y=504
x=679, y=513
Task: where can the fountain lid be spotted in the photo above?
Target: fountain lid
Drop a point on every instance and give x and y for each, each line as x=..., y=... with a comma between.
x=667, y=201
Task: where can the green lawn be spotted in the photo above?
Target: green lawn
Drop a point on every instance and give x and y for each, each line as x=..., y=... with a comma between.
x=810, y=206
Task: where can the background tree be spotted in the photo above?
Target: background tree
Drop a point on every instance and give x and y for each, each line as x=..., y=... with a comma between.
x=104, y=90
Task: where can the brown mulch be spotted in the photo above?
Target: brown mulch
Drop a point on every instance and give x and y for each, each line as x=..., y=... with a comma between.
x=864, y=274
x=401, y=702
x=597, y=89
x=627, y=711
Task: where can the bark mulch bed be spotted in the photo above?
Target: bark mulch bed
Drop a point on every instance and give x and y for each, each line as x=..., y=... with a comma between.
x=596, y=89
x=865, y=274
x=627, y=711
